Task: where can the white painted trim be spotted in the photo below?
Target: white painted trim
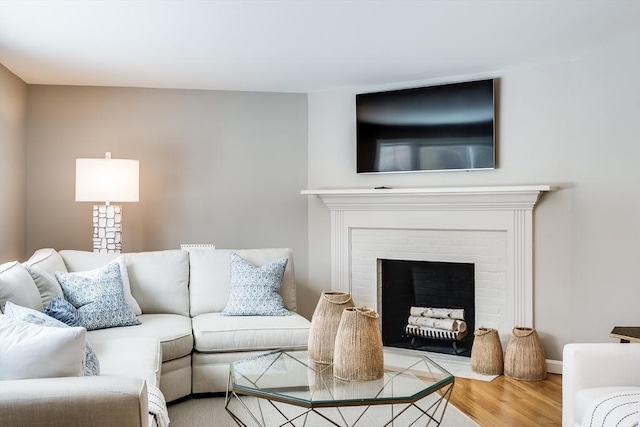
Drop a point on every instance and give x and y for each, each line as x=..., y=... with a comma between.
x=499, y=208
x=432, y=199
x=432, y=190
x=554, y=366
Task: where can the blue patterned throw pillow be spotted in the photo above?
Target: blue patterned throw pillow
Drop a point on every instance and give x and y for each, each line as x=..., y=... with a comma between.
x=91, y=363
x=254, y=290
x=62, y=310
x=98, y=296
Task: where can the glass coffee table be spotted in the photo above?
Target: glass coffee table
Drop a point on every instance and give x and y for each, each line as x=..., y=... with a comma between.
x=285, y=388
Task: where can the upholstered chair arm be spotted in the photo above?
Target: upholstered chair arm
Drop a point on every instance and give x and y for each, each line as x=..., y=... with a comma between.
x=592, y=365
x=100, y=401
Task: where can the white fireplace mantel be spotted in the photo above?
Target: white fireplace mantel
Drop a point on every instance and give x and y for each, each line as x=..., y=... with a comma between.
x=443, y=198
x=505, y=209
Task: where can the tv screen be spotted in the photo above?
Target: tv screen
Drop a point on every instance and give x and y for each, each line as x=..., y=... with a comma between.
x=434, y=128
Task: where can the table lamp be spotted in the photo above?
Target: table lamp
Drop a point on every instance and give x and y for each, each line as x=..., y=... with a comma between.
x=107, y=180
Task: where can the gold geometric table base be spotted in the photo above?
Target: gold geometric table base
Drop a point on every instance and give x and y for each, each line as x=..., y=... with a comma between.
x=287, y=388
x=250, y=411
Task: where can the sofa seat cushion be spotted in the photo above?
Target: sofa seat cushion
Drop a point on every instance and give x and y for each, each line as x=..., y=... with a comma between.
x=130, y=357
x=588, y=398
x=172, y=330
x=213, y=332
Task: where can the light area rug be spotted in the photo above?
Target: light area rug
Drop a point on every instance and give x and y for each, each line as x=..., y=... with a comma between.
x=210, y=412
x=458, y=366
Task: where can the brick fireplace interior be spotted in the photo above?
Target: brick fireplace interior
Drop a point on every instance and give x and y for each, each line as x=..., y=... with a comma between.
x=426, y=284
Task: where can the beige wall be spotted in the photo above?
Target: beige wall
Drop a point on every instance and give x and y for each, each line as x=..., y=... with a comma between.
x=13, y=167
x=574, y=124
x=215, y=167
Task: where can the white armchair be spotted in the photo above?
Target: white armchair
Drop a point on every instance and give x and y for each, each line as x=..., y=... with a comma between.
x=593, y=371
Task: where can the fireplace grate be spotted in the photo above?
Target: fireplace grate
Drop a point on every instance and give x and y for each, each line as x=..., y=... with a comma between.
x=438, y=334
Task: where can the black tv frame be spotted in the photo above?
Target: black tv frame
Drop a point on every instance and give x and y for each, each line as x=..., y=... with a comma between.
x=449, y=140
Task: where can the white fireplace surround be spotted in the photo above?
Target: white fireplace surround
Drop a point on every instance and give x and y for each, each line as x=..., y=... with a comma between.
x=491, y=227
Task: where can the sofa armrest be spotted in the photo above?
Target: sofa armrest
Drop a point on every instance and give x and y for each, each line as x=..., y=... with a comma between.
x=596, y=365
x=100, y=401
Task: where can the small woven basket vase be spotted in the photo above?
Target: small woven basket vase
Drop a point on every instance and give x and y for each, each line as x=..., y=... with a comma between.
x=358, y=349
x=486, y=353
x=525, y=358
x=324, y=325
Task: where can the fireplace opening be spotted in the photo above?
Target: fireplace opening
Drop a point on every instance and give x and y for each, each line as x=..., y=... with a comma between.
x=410, y=287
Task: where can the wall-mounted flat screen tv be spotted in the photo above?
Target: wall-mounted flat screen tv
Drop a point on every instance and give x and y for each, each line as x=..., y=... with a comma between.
x=434, y=128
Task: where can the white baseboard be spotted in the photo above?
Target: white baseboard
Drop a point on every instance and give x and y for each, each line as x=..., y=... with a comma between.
x=554, y=366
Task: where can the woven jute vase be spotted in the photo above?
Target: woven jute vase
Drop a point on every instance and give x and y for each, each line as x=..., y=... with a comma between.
x=358, y=349
x=486, y=353
x=324, y=325
x=525, y=358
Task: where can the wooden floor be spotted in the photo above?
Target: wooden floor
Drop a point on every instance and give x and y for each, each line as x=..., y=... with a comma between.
x=510, y=403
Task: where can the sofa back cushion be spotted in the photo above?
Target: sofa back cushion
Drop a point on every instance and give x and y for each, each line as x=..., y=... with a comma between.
x=43, y=265
x=210, y=277
x=159, y=280
x=78, y=261
x=17, y=286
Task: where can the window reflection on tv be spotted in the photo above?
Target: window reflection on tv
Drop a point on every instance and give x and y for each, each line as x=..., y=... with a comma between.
x=436, y=128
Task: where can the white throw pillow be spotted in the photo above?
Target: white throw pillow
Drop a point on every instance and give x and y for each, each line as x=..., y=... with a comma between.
x=91, y=363
x=35, y=351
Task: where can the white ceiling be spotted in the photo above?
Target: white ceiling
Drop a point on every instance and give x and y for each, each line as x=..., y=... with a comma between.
x=294, y=46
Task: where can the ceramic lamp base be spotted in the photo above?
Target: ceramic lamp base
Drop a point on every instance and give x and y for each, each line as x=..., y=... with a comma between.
x=107, y=228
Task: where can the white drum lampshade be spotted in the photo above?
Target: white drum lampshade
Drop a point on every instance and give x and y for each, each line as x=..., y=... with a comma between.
x=107, y=180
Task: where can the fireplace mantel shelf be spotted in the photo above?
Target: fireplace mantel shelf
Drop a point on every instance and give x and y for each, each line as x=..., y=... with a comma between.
x=496, y=197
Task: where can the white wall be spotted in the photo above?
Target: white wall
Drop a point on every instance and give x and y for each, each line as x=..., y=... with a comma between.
x=605, y=123
x=573, y=124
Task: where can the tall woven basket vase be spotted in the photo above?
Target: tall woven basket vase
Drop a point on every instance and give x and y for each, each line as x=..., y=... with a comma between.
x=486, y=353
x=324, y=325
x=358, y=350
x=525, y=358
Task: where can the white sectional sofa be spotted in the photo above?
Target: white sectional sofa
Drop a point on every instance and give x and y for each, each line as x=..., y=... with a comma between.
x=183, y=344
